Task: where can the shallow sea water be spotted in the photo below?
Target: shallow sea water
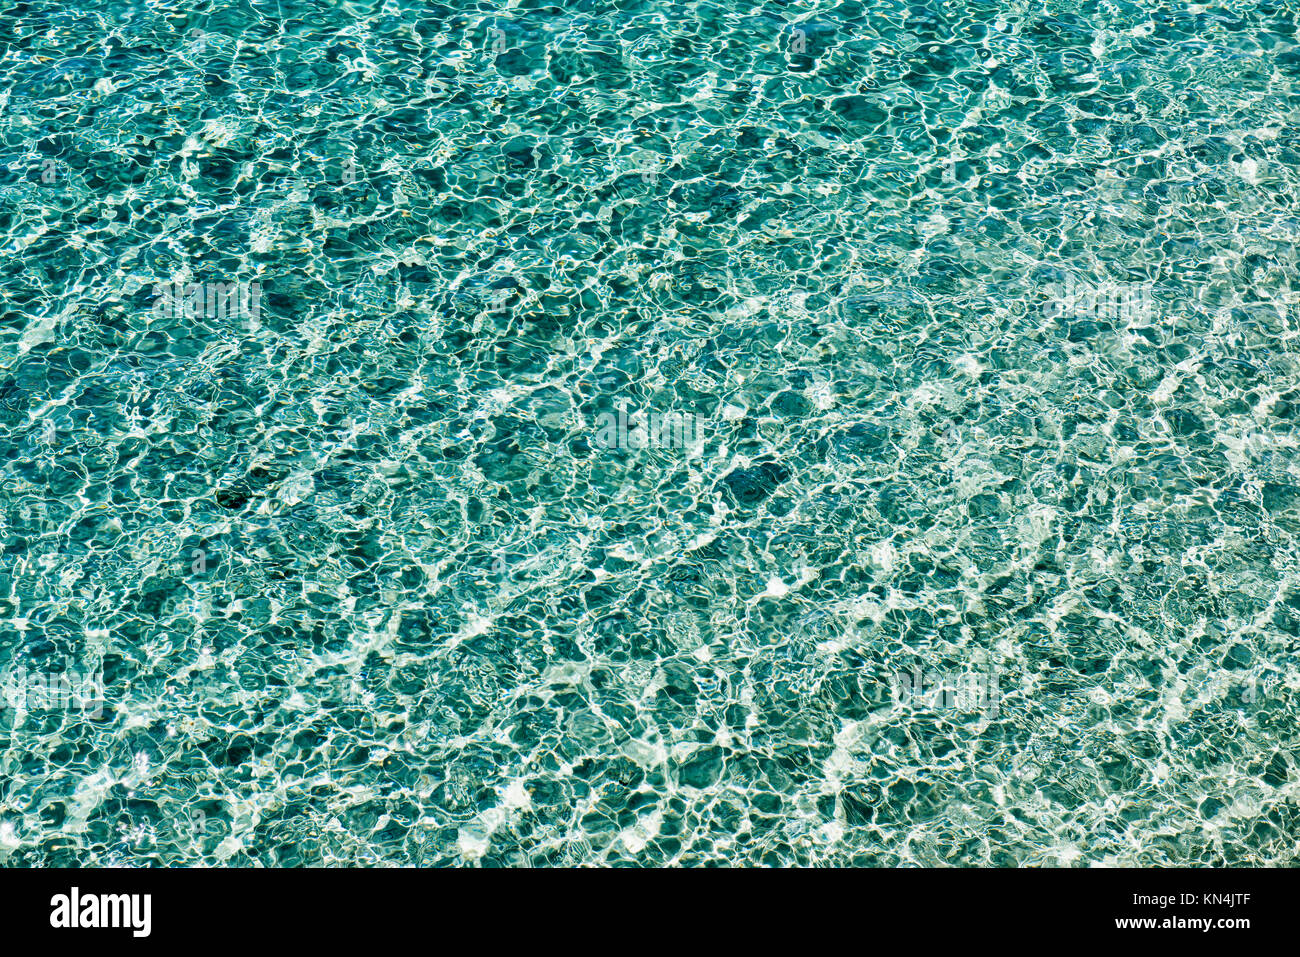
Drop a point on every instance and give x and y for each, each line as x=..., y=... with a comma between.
x=981, y=319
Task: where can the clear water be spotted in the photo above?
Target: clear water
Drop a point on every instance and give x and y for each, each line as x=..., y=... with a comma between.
x=330, y=342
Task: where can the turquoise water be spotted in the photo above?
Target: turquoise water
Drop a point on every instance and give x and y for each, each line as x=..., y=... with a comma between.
x=649, y=433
